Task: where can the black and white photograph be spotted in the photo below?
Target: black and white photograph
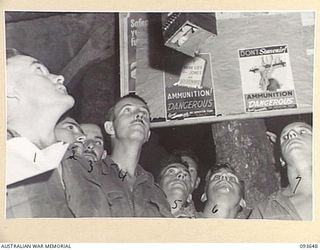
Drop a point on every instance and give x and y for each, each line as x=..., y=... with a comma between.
x=180, y=115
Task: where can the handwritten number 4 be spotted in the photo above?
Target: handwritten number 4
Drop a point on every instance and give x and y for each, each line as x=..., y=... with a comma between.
x=298, y=177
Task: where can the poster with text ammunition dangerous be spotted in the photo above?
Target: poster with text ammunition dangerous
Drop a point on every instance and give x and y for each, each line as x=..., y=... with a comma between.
x=190, y=94
x=266, y=78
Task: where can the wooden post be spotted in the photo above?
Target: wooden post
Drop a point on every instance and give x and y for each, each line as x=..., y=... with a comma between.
x=244, y=144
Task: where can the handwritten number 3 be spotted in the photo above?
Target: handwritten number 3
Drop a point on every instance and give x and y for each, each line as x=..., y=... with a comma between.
x=90, y=170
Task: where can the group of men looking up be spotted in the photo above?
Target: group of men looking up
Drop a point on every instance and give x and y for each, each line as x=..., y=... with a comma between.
x=59, y=168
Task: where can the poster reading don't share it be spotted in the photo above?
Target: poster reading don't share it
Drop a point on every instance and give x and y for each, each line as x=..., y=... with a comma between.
x=266, y=77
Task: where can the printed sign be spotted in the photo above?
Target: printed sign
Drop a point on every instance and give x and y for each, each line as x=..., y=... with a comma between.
x=266, y=77
x=132, y=22
x=191, y=95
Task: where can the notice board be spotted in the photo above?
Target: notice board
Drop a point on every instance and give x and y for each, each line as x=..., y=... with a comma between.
x=260, y=64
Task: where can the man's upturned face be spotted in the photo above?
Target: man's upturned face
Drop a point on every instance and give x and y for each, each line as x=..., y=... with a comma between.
x=132, y=120
x=296, y=142
x=32, y=84
x=193, y=170
x=68, y=130
x=224, y=186
x=176, y=179
x=93, y=145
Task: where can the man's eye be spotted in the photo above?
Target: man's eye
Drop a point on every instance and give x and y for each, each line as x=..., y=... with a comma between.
x=127, y=109
x=42, y=70
x=233, y=179
x=171, y=171
x=99, y=143
x=216, y=177
x=71, y=127
x=146, y=113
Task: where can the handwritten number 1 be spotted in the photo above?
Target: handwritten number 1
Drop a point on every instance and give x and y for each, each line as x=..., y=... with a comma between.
x=298, y=177
x=34, y=158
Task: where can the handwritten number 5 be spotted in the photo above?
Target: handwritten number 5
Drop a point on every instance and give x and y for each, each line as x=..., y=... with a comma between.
x=175, y=202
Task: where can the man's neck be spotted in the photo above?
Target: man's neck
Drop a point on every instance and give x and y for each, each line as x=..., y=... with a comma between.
x=126, y=155
x=176, y=202
x=300, y=179
x=39, y=129
x=216, y=209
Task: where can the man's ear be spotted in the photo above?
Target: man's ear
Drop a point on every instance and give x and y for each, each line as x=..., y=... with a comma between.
x=104, y=155
x=203, y=197
x=149, y=133
x=197, y=183
x=147, y=139
x=108, y=127
x=189, y=198
x=282, y=162
x=242, y=203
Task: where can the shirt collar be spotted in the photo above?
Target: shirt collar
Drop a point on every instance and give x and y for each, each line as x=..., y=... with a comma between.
x=25, y=160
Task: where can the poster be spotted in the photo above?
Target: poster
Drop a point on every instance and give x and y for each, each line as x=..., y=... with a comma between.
x=266, y=77
x=132, y=22
x=191, y=94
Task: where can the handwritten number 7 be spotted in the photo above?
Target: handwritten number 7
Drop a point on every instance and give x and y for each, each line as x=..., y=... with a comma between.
x=298, y=177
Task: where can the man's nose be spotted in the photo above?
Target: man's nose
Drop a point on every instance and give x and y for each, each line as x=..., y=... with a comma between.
x=224, y=177
x=89, y=144
x=81, y=138
x=139, y=115
x=182, y=175
x=292, y=134
x=57, y=78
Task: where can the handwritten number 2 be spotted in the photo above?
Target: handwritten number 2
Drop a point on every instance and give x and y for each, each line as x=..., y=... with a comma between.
x=298, y=177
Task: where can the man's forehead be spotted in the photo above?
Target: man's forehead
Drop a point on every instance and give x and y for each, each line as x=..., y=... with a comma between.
x=129, y=101
x=177, y=166
x=295, y=125
x=189, y=160
x=21, y=60
x=69, y=120
x=223, y=171
x=91, y=129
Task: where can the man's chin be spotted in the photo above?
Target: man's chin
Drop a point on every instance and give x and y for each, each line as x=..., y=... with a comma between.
x=90, y=157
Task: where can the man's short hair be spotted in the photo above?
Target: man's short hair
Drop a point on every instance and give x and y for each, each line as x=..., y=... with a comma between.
x=110, y=116
x=12, y=52
x=216, y=168
x=170, y=159
x=189, y=153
